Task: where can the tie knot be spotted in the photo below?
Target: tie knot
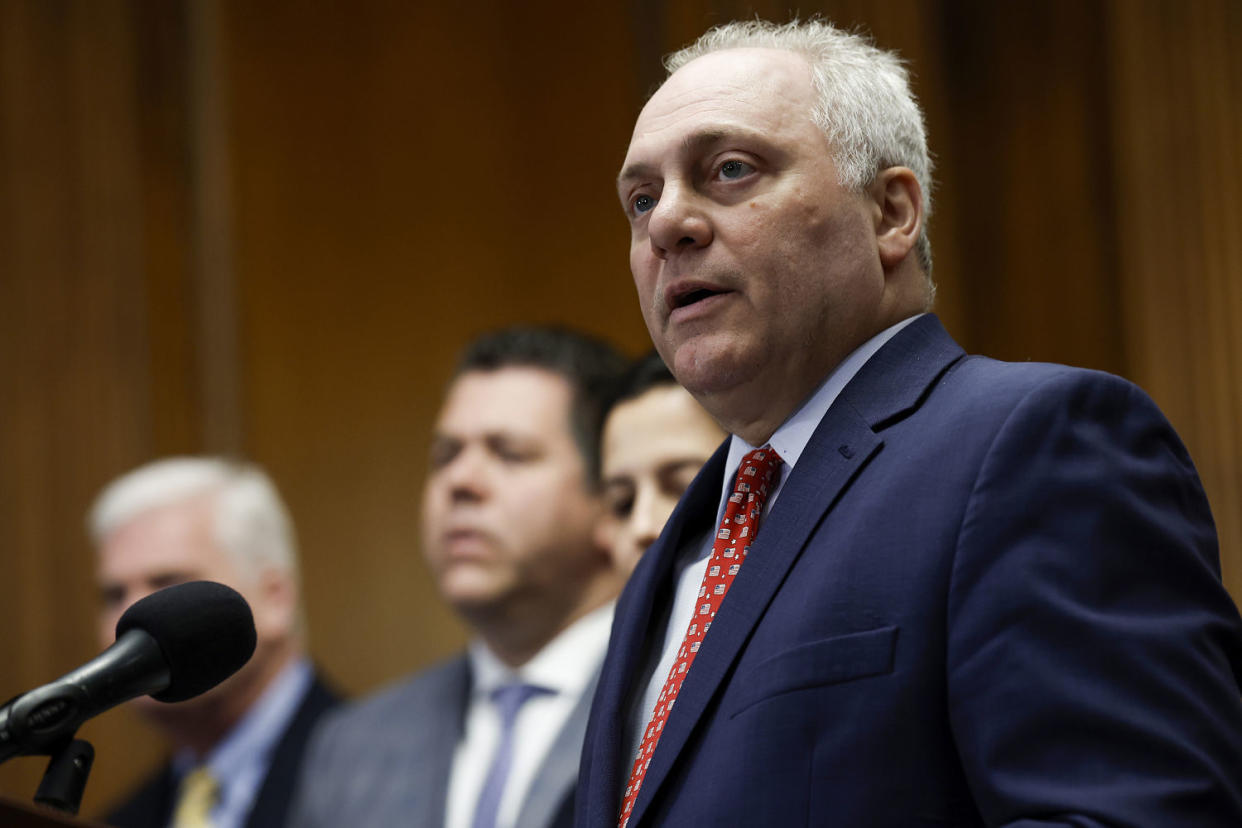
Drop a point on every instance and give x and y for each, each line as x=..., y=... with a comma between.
x=757, y=469
x=196, y=796
x=509, y=699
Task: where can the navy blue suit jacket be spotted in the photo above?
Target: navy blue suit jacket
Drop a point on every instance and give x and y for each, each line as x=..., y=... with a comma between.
x=988, y=594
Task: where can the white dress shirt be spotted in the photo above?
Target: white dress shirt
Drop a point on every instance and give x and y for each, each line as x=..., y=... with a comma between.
x=789, y=440
x=565, y=666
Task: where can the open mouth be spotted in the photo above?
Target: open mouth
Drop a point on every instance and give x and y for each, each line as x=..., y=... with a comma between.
x=691, y=296
x=696, y=295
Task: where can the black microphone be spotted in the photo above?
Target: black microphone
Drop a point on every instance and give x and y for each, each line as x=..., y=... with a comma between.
x=173, y=644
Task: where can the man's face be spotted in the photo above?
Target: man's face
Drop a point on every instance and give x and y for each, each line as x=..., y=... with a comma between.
x=159, y=548
x=653, y=447
x=754, y=267
x=508, y=518
x=171, y=545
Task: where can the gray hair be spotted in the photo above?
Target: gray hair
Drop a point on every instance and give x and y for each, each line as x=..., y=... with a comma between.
x=865, y=104
x=249, y=521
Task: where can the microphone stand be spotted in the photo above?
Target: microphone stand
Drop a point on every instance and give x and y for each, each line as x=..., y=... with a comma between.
x=64, y=781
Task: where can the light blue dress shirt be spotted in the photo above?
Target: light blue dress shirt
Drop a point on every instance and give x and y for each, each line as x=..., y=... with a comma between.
x=240, y=761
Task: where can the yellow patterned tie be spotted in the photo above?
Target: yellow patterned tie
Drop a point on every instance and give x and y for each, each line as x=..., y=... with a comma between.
x=195, y=799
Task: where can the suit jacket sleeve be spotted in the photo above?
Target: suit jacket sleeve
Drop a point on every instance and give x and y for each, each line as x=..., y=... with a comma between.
x=1093, y=656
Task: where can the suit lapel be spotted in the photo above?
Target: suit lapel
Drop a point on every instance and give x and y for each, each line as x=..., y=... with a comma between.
x=635, y=632
x=439, y=726
x=815, y=483
x=890, y=385
x=558, y=775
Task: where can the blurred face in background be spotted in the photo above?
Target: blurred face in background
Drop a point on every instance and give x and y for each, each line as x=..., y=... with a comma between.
x=508, y=514
x=653, y=446
x=173, y=544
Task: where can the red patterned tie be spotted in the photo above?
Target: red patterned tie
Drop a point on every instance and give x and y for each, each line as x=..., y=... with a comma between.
x=733, y=539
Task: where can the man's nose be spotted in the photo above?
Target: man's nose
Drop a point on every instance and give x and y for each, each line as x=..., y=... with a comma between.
x=678, y=222
x=466, y=476
x=647, y=520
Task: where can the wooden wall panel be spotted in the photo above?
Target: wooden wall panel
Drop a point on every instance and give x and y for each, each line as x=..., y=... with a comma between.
x=402, y=184
x=1176, y=102
x=73, y=349
x=1030, y=188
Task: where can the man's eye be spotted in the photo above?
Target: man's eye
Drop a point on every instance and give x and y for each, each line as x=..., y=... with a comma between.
x=643, y=203
x=621, y=507
x=442, y=453
x=508, y=451
x=509, y=455
x=619, y=497
x=734, y=169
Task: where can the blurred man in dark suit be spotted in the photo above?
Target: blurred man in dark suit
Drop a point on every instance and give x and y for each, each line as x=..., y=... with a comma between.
x=511, y=503
x=915, y=587
x=238, y=747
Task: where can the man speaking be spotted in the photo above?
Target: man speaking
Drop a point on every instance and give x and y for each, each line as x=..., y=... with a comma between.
x=915, y=587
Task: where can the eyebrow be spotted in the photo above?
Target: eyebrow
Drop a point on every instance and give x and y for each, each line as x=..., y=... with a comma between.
x=695, y=141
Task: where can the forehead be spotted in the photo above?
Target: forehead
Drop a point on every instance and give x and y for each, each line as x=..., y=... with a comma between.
x=662, y=423
x=172, y=538
x=515, y=399
x=763, y=90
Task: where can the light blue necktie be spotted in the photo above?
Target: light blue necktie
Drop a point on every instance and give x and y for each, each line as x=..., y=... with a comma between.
x=508, y=700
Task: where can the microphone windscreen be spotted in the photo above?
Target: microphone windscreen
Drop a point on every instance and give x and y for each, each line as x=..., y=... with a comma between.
x=205, y=631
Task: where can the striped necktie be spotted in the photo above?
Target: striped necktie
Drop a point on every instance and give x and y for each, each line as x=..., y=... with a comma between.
x=508, y=700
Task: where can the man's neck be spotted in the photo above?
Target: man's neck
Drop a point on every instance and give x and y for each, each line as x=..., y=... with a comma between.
x=515, y=642
x=755, y=410
x=214, y=717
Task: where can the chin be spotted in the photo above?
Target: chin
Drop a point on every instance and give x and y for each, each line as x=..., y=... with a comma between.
x=709, y=368
x=166, y=714
x=469, y=594
x=626, y=562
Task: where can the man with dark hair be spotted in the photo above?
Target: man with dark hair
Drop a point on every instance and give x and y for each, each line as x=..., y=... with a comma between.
x=915, y=587
x=510, y=507
x=656, y=438
x=591, y=366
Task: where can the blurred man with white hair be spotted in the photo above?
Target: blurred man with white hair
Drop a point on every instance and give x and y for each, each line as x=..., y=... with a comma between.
x=237, y=748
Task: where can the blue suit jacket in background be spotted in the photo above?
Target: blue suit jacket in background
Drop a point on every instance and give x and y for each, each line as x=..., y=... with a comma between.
x=988, y=594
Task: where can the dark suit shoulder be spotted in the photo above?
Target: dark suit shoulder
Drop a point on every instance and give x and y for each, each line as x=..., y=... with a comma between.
x=433, y=691
x=1015, y=380
x=271, y=805
x=147, y=806
x=384, y=759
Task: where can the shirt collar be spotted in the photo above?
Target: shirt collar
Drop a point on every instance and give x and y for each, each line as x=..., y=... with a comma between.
x=791, y=438
x=254, y=736
x=565, y=664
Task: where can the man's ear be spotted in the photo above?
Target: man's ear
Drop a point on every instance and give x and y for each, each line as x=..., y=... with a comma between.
x=276, y=607
x=899, y=218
